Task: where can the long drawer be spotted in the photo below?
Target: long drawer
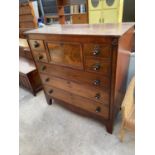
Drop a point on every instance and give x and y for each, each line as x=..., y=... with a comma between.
x=98, y=95
x=81, y=102
x=75, y=75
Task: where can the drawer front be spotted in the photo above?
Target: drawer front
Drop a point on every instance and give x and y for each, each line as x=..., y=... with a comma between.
x=98, y=66
x=25, y=10
x=37, y=45
x=26, y=18
x=78, y=101
x=79, y=19
x=78, y=76
x=27, y=25
x=97, y=50
x=40, y=56
x=98, y=95
x=66, y=54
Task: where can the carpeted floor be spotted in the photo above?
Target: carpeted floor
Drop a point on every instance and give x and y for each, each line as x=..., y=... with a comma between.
x=53, y=130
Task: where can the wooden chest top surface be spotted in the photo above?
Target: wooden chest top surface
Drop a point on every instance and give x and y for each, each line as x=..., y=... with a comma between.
x=84, y=29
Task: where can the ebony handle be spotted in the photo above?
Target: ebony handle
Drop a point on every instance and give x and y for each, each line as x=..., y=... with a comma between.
x=96, y=67
x=47, y=79
x=98, y=109
x=96, y=82
x=97, y=96
x=40, y=57
x=36, y=44
x=50, y=91
x=43, y=68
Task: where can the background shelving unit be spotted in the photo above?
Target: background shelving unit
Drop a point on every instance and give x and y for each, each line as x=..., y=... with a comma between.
x=72, y=11
x=65, y=11
x=50, y=11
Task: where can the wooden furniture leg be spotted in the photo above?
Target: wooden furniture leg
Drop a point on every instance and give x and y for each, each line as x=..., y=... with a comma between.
x=48, y=99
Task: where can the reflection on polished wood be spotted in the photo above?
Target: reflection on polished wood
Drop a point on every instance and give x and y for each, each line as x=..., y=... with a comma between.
x=82, y=90
x=66, y=54
x=84, y=29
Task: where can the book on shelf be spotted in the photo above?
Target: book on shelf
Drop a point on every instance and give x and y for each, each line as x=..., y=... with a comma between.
x=82, y=8
x=76, y=9
x=71, y=9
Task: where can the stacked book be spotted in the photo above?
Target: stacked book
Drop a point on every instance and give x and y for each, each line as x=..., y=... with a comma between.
x=76, y=9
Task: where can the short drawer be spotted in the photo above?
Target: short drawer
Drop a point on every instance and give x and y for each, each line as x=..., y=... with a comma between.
x=78, y=76
x=78, y=101
x=98, y=66
x=37, y=45
x=97, y=50
x=98, y=95
x=79, y=18
x=40, y=56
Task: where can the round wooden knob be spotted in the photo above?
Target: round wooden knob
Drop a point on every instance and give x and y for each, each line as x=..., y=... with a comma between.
x=47, y=79
x=43, y=68
x=36, y=44
x=96, y=67
x=97, y=96
x=98, y=109
x=96, y=51
x=96, y=82
x=50, y=91
x=40, y=57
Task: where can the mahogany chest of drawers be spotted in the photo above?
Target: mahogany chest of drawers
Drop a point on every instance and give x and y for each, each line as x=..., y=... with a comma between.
x=84, y=67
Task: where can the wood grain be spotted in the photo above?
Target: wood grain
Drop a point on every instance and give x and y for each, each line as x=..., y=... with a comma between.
x=37, y=45
x=40, y=56
x=103, y=69
x=74, y=85
x=79, y=19
x=68, y=54
x=96, y=94
x=78, y=76
x=77, y=101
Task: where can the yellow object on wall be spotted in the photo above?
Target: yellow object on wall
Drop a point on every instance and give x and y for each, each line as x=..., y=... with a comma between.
x=105, y=11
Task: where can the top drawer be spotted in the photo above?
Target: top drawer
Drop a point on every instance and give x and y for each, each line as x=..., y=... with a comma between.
x=97, y=50
x=37, y=45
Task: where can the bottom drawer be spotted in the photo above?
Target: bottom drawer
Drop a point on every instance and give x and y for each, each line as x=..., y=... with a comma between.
x=78, y=101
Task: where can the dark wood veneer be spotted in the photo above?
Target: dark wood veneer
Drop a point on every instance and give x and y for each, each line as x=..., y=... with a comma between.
x=97, y=87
